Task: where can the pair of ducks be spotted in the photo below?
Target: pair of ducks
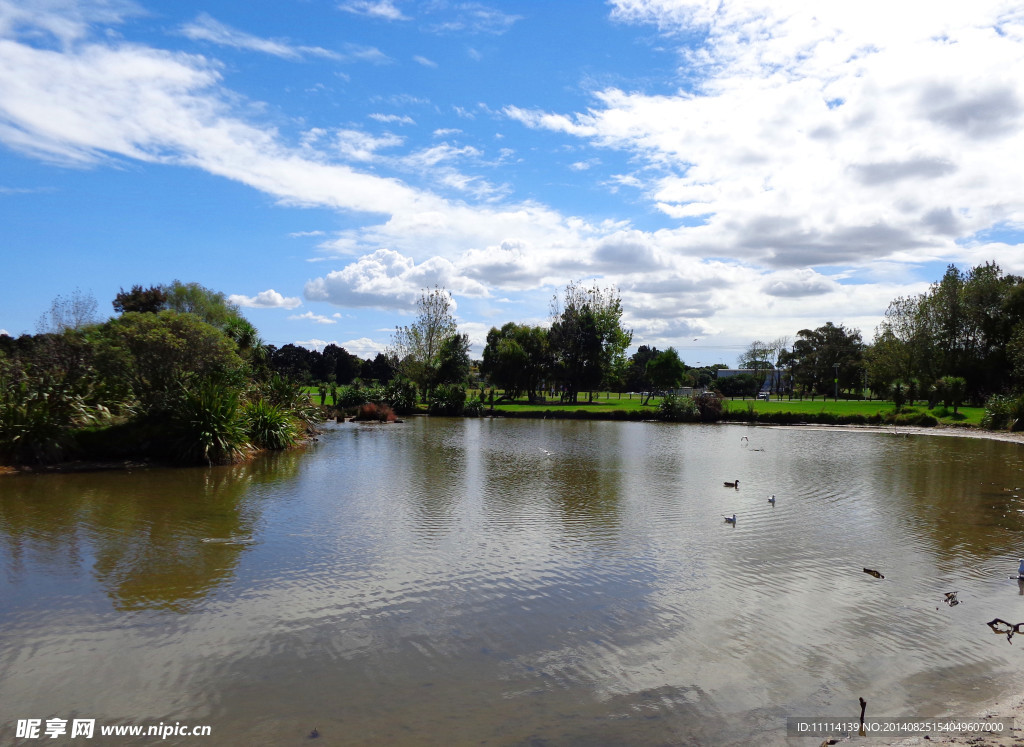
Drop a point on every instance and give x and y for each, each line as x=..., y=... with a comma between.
x=732, y=519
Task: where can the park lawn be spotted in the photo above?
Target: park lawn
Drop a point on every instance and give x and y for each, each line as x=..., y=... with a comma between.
x=966, y=415
x=601, y=404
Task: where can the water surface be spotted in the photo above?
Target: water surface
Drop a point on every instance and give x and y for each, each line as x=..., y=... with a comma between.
x=517, y=582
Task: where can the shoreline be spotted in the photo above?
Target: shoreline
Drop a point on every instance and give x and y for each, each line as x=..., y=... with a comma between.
x=903, y=430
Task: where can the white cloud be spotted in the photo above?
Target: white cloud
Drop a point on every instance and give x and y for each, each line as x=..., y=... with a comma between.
x=207, y=28
x=419, y=59
x=310, y=316
x=4, y=332
x=363, y=347
x=404, y=119
x=384, y=9
x=268, y=299
x=387, y=279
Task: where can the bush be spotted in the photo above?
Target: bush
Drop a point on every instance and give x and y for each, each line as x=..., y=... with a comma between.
x=400, y=395
x=675, y=409
x=709, y=405
x=205, y=424
x=1004, y=412
x=350, y=396
x=32, y=424
x=447, y=399
x=269, y=426
x=375, y=411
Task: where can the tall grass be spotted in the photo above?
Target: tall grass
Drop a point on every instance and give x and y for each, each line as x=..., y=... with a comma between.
x=269, y=426
x=205, y=424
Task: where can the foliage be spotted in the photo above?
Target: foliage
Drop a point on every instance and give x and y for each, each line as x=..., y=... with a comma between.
x=951, y=390
x=452, y=361
x=709, y=406
x=678, y=409
x=144, y=300
x=588, y=342
x=1004, y=412
x=211, y=306
x=738, y=385
x=664, y=371
x=819, y=355
x=155, y=354
x=375, y=411
x=415, y=350
x=400, y=395
x=33, y=425
x=447, y=399
x=269, y=426
x=517, y=358
x=205, y=424
x=351, y=396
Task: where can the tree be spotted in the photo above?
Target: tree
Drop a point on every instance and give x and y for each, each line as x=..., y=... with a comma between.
x=415, y=349
x=157, y=353
x=452, y=361
x=146, y=300
x=819, y=355
x=636, y=372
x=69, y=312
x=665, y=371
x=211, y=306
x=517, y=359
x=588, y=342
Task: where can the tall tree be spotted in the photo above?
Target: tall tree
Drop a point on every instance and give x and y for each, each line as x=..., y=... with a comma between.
x=588, y=341
x=665, y=371
x=517, y=359
x=415, y=349
x=211, y=306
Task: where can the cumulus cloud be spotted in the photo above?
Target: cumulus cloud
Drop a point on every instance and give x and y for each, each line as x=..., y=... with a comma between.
x=387, y=279
x=796, y=283
x=310, y=316
x=268, y=299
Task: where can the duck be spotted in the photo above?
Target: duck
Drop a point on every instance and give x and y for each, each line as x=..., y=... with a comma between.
x=874, y=573
x=1020, y=569
x=772, y=500
x=730, y=519
x=735, y=484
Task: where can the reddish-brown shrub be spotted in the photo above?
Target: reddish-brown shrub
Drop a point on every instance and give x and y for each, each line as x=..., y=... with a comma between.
x=375, y=411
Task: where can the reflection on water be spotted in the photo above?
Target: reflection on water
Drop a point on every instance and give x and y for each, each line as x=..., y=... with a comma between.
x=450, y=581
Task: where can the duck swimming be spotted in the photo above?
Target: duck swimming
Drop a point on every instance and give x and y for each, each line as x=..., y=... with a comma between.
x=735, y=484
x=730, y=519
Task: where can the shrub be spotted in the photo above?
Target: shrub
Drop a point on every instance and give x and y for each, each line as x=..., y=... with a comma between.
x=375, y=411
x=269, y=426
x=32, y=423
x=400, y=395
x=677, y=409
x=709, y=405
x=205, y=424
x=447, y=399
x=350, y=396
x=1004, y=412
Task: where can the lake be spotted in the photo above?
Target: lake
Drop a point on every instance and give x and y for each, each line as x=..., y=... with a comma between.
x=448, y=581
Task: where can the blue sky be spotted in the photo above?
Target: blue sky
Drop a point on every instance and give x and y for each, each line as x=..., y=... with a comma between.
x=738, y=170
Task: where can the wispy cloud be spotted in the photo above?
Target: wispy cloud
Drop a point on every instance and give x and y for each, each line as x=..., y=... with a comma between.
x=419, y=59
x=207, y=28
x=384, y=9
x=403, y=119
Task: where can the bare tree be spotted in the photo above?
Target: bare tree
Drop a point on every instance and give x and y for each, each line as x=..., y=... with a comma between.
x=69, y=312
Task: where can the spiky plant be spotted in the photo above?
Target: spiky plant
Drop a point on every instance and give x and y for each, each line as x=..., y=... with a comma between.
x=269, y=426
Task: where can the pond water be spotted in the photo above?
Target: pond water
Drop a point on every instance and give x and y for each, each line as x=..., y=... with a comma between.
x=449, y=581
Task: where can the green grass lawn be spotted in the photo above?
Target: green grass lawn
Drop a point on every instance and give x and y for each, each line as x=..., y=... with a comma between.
x=609, y=401
x=965, y=416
